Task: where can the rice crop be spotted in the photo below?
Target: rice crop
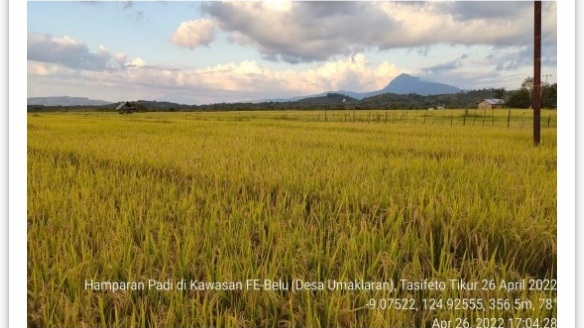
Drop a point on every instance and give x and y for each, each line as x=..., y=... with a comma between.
x=157, y=219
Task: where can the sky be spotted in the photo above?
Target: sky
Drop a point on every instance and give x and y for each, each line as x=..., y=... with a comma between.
x=212, y=52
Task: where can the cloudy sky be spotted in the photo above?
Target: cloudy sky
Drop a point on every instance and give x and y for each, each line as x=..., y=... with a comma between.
x=205, y=52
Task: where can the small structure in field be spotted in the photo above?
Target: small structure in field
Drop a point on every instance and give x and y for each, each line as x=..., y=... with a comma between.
x=125, y=107
x=493, y=103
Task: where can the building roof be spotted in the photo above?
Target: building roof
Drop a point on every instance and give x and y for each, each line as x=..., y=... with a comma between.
x=124, y=104
x=494, y=101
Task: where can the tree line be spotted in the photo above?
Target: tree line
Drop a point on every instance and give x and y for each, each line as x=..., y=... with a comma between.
x=519, y=98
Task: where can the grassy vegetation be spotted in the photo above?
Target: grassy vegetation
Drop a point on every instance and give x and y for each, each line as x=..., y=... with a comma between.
x=284, y=195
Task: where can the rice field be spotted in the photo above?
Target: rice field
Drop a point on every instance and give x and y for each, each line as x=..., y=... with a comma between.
x=291, y=219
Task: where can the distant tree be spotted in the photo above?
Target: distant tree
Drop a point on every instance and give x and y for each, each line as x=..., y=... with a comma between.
x=549, y=96
x=499, y=93
x=527, y=84
x=519, y=99
x=140, y=107
x=522, y=98
x=34, y=108
x=548, y=92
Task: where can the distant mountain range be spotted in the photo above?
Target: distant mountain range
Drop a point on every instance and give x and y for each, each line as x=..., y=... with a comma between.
x=466, y=99
x=402, y=84
x=66, y=101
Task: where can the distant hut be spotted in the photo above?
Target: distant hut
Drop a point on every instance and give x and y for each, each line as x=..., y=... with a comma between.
x=491, y=103
x=125, y=107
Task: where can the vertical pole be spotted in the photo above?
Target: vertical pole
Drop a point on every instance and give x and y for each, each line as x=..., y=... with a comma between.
x=508, y=117
x=493, y=117
x=537, y=73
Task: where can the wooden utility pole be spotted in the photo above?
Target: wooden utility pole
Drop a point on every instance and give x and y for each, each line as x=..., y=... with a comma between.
x=536, y=96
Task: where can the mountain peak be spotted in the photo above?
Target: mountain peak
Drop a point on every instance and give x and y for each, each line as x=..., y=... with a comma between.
x=405, y=84
x=404, y=76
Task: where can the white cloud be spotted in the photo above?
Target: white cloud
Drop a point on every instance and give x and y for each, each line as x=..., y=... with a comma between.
x=192, y=34
x=36, y=68
x=318, y=31
x=278, y=5
x=71, y=53
x=353, y=73
x=247, y=77
x=65, y=41
x=136, y=62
